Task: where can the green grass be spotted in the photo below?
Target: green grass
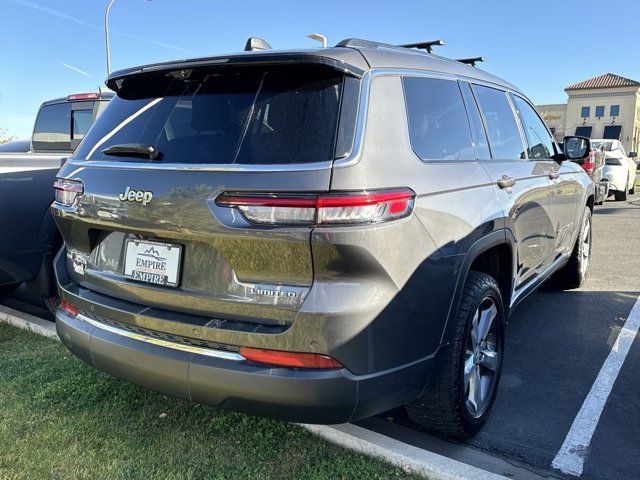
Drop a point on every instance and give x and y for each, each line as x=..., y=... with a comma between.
x=60, y=419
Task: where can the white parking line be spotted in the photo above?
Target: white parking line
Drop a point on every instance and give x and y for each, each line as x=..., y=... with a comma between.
x=573, y=453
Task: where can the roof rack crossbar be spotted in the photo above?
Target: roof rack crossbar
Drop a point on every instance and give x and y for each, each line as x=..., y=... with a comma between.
x=470, y=61
x=428, y=46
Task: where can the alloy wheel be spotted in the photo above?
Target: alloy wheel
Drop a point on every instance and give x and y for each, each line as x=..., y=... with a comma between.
x=482, y=358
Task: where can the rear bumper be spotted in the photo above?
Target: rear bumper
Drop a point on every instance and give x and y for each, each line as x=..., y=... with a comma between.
x=310, y=396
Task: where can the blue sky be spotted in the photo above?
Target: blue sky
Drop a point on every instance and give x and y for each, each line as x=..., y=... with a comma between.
x=55, y=47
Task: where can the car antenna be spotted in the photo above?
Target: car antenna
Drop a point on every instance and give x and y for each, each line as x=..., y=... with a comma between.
x=255, y=43
x=471, y=61
x=428, y=46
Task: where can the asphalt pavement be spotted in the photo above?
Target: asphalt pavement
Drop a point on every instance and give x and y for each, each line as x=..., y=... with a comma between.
x=556, y=345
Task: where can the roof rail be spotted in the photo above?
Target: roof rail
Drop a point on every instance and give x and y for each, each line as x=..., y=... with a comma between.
x=428, y=46
x=255, y=43
x=360, y=43
x=470, y=61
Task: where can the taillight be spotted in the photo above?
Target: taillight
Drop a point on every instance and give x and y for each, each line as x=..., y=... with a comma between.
x=67, y=191
x=324, y=209
x=589, y=163
x=67, y=307
x=288, y=359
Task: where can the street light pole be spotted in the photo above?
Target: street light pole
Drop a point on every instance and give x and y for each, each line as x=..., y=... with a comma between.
x=319, y=38
x=106, y=34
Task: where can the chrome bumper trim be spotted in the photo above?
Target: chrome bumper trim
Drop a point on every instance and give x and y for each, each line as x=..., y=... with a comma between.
x=162, y=343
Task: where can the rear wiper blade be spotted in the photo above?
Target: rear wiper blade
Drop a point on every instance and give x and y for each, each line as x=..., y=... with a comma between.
x=142, y=150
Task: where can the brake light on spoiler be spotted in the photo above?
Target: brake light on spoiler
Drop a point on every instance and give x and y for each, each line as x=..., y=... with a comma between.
x=83, y=96
x=349, y=208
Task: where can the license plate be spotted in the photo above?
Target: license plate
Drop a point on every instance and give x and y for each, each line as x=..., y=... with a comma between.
x=152, y=262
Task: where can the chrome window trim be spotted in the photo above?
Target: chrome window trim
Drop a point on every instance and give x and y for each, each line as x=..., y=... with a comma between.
x=208, y=352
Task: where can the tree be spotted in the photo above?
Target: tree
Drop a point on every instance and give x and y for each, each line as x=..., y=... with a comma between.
x=4, y=137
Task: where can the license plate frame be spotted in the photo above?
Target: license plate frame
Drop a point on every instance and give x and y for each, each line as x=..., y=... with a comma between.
x=153, y=254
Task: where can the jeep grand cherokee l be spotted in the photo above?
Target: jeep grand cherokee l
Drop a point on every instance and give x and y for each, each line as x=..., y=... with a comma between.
x=316, y=236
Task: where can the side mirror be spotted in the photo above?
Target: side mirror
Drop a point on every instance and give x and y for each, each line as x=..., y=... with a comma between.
x=632, y=155
x=576, y=148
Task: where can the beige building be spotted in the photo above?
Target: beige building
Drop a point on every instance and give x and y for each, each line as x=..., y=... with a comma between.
x=607, y=106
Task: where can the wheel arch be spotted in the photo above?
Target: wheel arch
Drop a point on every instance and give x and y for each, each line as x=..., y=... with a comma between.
x=494, y=254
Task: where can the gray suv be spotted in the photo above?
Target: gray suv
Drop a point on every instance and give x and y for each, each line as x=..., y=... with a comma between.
x=317, y=236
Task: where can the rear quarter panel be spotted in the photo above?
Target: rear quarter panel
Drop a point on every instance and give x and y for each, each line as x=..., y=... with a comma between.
x=418, y=261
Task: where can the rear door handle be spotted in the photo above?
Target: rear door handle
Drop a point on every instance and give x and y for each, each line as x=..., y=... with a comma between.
x=553, y=175
x=506, y=182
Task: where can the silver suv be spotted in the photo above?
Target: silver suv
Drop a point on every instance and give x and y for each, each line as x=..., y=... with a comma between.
x=317, y=236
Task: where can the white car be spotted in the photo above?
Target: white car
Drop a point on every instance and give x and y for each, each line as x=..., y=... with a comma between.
x=619, y=169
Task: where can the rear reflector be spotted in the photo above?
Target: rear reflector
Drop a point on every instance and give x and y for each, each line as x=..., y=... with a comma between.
x=288, y=359
x=83, y=96
x=67, y=191
x=325, y=209
x=67, y=307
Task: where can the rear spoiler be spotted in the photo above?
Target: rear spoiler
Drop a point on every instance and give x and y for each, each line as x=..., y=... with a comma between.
x=116, y=79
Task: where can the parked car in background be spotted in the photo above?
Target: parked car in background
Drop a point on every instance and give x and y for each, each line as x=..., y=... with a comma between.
x=15, y=146
x=620, y=169
x=593, y=165
x=317, y=235
x=29, y=237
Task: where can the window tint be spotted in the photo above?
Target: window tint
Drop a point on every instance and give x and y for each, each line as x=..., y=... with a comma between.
x=438, y=124
x=244, y=115
x=52, y=130
x=585, y=112
x=477, y=129
x=612, y=131
x=502, y=129
x=539, y=141
x=82, y=120
x=615, y=110
x=600, y=111
x=583, y=131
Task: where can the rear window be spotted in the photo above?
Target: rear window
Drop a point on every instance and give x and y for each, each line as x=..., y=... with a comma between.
x=52, y=130
x=242, y=115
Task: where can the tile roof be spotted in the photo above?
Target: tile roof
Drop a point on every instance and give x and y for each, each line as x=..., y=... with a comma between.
x=608, y=80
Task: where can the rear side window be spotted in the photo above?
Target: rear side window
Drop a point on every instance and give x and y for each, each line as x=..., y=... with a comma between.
x=438, y=124
x=477, y=129
x=539, y=141
x=502, y=129
x=52, y=130
x=243, y=115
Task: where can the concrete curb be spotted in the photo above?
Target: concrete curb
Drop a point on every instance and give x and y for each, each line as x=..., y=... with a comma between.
x=409, y=458
x=28, y=322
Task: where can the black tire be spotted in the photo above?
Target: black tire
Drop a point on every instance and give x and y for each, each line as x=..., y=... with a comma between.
x=444, y=408
x=8, y=288
x=52, y=303
x=633, y=187
x=621, y=195
x=575, y=272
